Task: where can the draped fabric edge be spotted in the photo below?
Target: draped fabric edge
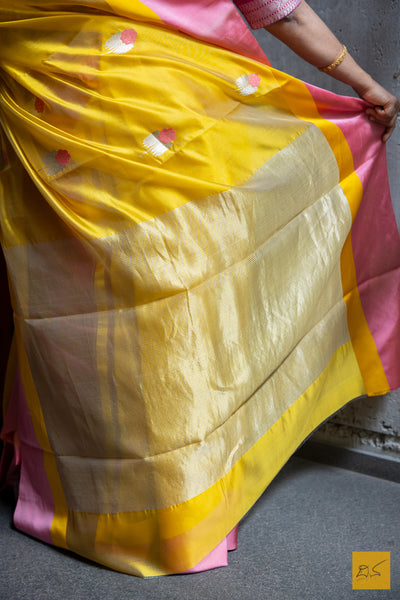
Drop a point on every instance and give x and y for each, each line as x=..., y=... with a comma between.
x=364, y=359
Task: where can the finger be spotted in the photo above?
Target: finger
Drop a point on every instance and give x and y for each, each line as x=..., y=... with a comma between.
x=377, y=111
x=381, y=116
x=377, y=120
x=388, y=132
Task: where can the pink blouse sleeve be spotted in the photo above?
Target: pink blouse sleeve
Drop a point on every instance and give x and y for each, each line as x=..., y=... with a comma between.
x=260, y=13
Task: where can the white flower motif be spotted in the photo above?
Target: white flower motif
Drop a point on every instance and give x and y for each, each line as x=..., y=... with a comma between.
x=247, y=84
x=121, y=42
x=158, y=142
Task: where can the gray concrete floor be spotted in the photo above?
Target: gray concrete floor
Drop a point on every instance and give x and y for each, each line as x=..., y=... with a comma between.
x=296, y=543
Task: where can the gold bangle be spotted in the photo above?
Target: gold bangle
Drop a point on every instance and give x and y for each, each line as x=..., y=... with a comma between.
x=336, y=62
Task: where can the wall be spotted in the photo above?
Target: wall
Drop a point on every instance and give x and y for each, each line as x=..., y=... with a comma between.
x=369, y=28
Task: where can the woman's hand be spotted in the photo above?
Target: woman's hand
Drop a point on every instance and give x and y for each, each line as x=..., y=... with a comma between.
x=308, y=36
x=385, y=107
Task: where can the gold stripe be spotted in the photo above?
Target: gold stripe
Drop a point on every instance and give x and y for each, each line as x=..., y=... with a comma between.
x=184, y=534
x=59, y=524
x=375, y=379
x=302, y=104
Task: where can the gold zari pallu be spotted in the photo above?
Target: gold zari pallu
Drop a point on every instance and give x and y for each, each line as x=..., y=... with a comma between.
x=204, y=266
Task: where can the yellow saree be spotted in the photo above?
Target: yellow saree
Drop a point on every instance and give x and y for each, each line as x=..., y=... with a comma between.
x=183, y=228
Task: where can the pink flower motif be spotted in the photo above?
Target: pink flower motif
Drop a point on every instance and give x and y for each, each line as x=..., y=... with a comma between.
x=128, y=36
x=39, y=105
x=63, y=157
x=254, y=79
x=167, y=136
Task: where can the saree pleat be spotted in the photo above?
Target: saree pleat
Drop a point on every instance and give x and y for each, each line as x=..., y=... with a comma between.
x=184, y=229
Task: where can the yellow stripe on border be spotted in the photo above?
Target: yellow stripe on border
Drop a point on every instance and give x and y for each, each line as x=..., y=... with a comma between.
x=375, y=379
x=134, y=9
x=302, y=104
x=185, y=533
x=59, y=523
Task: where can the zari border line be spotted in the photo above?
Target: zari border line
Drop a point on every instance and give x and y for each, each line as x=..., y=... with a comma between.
x=185, y=533
x=377, y=266
x=300, y=101
x=58, y=526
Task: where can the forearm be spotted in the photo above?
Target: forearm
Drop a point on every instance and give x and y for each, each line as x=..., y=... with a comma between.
x=308, y=36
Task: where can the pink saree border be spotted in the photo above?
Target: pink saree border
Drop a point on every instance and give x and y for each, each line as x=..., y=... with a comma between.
x=378, y=271
x=34, y=511
x=218, y=22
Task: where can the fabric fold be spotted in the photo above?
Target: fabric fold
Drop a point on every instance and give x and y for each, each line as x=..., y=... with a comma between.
x=184, y=229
